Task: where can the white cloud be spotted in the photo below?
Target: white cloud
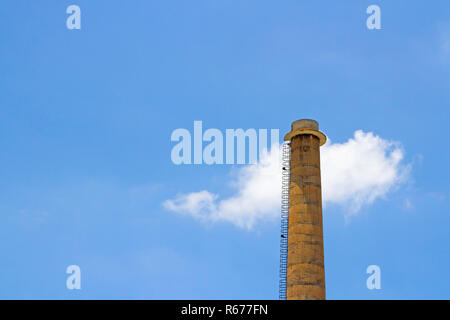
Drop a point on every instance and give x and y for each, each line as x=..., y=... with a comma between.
x=257, y=198
x=354, y=173
x=360, y=170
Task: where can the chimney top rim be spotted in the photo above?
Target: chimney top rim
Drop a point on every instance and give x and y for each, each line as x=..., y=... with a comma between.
x=305, y=124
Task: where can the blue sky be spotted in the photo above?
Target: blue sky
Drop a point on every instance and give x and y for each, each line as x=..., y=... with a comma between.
x=86, y=118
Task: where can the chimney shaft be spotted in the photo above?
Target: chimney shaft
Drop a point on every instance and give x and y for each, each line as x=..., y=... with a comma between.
x=305, y=268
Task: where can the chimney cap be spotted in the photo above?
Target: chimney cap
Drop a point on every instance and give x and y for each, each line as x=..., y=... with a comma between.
x=306, y=126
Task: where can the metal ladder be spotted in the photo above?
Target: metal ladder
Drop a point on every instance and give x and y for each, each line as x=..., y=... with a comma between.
x=285, y=163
